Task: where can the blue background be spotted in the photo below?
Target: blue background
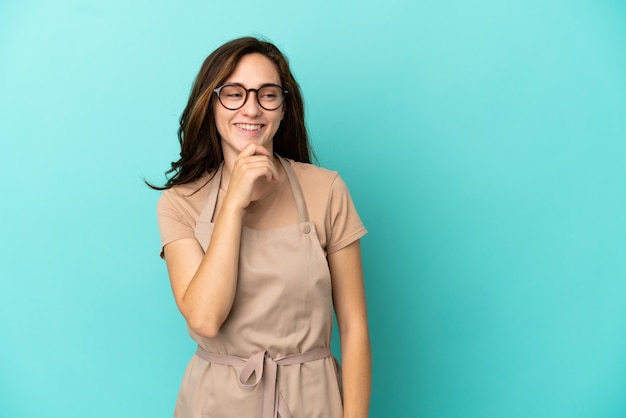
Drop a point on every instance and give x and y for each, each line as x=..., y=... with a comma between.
x=484, y=143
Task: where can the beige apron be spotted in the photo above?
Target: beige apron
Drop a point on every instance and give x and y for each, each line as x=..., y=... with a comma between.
x=271, y=357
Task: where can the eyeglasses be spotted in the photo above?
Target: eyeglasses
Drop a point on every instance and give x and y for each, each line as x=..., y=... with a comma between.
x=234, y=96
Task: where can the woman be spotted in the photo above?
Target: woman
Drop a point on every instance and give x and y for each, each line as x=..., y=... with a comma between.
x=259, y=245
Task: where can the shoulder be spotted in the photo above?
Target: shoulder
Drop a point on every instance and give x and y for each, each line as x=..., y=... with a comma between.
x=185, y=195
x=185, y=190
x=312, y=177
x=323, y=189
x=330, y=206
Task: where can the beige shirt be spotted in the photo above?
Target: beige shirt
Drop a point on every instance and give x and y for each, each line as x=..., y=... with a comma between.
x=327, y=198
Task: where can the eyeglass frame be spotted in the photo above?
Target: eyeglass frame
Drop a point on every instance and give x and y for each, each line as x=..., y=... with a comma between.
x=256, y=94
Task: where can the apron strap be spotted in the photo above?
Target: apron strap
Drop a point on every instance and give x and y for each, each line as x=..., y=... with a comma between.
x=303, y=213
x=206, y=215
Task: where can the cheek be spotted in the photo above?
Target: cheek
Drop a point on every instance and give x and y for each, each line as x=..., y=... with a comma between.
x=220, y=119
x=221, y=129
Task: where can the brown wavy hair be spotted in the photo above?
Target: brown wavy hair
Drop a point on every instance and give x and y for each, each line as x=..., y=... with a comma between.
x=201, y=148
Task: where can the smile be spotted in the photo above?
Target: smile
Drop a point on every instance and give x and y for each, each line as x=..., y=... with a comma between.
x=248, y=126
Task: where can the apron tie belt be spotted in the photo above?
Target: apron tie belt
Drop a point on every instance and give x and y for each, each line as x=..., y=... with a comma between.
x=265, y=369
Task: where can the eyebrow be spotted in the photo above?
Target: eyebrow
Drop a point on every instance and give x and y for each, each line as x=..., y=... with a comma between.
x=260, y=85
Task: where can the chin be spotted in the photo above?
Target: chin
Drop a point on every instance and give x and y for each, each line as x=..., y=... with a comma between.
x=267, y=143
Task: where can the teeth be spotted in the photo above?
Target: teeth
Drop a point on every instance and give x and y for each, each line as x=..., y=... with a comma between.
x=248, y=127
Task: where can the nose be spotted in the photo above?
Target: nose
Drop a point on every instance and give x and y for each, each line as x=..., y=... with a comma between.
x=251, y=107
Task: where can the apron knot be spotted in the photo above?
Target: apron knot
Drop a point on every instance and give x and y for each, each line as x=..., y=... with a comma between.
x=265, y=371
x=270, y=403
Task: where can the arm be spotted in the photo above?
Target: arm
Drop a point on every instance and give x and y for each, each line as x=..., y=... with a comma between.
x=349, y=300
x=204, y=284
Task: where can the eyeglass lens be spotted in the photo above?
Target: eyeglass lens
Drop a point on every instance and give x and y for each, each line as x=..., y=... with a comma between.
x=233, y=97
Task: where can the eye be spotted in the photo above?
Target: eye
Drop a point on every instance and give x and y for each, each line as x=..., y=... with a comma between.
x=269, y=94
x=232, y=92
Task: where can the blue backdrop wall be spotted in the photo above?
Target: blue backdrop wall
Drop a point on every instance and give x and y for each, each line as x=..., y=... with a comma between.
x=484, y=143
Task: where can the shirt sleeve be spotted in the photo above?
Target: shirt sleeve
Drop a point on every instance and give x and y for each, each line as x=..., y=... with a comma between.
x=173, y=224
x=343, y=224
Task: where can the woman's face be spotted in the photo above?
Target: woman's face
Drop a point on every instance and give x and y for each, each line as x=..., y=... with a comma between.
x=251, y=123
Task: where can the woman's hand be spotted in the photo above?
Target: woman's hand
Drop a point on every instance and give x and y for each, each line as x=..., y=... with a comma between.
x=252, y=175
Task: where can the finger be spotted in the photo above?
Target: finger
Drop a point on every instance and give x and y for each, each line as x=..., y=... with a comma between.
x=259, y=166
x=272, y=171
x=261, y=150
x=254, y=149
x=248, y=162
x=248, y=151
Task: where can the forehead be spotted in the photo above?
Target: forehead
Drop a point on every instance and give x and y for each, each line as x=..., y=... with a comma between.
x=254, y=70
